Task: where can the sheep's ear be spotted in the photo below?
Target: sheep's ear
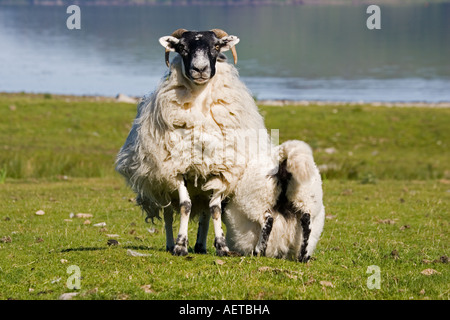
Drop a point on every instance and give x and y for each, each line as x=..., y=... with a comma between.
x=169, y=42
x=228, y=42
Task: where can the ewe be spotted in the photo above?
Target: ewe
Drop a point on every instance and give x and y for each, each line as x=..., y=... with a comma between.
x=183, y=146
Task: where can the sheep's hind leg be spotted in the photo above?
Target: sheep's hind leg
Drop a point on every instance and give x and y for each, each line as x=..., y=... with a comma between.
x=168, y=220
x=219, y=240
x=181, y=244
x=203, y=226
x=260, y=249
x=305, y=221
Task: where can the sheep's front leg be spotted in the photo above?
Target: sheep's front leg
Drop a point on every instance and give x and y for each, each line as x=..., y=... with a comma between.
x=181, y=243
x=261, y=246
x=215, y=208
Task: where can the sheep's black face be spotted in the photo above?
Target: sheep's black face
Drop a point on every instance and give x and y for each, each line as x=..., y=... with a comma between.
x=199, y=51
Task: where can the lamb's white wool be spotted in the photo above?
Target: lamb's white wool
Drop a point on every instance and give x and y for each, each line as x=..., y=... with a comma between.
x=193, y=131
x=299, y=158
x=258, y=193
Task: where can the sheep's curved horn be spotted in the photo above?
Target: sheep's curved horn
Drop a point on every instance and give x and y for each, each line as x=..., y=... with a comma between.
x=176, y=34
x=220, y=34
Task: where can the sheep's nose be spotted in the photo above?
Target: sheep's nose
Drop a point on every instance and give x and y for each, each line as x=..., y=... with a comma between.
x=200, y=69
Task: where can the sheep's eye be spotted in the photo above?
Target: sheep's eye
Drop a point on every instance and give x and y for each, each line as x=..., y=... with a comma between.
x=217, y=47
x=182, y=50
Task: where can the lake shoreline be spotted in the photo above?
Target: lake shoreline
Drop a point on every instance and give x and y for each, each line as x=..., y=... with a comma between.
x=276, y=103
x=127, y=3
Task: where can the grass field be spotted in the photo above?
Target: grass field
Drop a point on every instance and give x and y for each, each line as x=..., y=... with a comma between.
x=386, y=182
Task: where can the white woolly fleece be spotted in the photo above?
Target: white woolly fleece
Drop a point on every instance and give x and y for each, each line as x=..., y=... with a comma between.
x=257, y=192
x=160, y=144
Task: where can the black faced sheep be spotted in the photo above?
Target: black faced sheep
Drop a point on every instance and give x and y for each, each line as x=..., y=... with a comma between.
x=184, y=145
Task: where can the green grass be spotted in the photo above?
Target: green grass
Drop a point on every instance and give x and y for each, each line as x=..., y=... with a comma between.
x=44, y=136
x=388, y=143
x=355, y=237
x=387, y=208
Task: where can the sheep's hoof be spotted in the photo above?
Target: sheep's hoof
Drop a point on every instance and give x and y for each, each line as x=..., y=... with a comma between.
x=221, y=247
x=200, y=248
x=180, y=251
x=181, y=246
x=222, y=252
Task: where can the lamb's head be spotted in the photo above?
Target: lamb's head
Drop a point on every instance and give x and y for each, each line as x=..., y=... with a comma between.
x=199, y=51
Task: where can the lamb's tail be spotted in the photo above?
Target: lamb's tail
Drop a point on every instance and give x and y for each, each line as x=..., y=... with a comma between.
x=298, y=158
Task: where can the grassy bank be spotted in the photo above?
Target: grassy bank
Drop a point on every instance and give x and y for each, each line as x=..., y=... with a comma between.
x=401, y=227
x=45, y=136
x=386, y=184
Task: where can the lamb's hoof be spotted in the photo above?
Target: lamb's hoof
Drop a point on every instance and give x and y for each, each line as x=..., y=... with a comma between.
x=304, y=259
x=257, y=253
x=170, y=249
x=200, y=248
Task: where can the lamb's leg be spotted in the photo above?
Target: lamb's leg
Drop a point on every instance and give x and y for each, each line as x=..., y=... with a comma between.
x=168, y=220
x=216, y=213
x=203, y=226
x=260, y=249
x=305, y=221
x=181, y=243
x=316, y=226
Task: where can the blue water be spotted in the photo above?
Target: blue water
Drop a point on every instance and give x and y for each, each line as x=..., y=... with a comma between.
x=286, y=52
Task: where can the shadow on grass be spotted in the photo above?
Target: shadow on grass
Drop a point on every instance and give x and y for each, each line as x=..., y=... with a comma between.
x=83, y=249
x=145, y=248
x=104, y=248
